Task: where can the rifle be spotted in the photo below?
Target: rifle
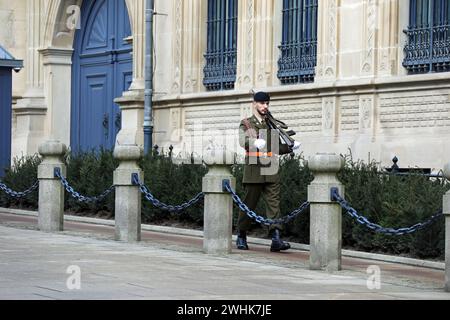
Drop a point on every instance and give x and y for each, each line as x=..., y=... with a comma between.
x=279, y=126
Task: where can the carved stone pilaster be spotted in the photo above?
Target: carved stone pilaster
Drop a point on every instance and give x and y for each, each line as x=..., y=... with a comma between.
x=34, y=42
x=264, y=43
x=189, y=45
x=30, y=111
x=388, y=41
x=194, y=45
x=327, y=45
x=246, y=38
x=137, y=8
x=177, y=47
x=369, y=51
x=58, y=91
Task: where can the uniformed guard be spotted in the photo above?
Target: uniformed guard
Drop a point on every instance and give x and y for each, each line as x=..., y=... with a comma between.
x=262, y=144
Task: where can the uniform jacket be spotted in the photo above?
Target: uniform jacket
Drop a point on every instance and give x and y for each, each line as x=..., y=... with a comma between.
x=260, y=166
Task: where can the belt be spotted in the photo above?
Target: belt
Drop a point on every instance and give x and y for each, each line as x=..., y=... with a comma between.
x=259, y=154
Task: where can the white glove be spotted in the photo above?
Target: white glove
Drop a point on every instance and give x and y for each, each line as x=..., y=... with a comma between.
x=259, y=143
x=296, y=145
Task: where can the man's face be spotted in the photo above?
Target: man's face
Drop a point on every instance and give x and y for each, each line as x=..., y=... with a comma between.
x=261, y=107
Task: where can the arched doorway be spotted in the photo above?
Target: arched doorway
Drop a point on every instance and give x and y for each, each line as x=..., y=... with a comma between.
x=101, y=72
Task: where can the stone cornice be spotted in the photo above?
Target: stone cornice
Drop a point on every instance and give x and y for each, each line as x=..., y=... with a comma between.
x=369, y=85
x=56, y=56
x=131, y=99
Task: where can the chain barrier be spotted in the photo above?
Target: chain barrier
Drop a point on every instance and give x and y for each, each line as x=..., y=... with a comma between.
x=15, y=194
x=375, y=227
x=155, y=202
x=405, y=174
x=78, y=196
x=261, y=220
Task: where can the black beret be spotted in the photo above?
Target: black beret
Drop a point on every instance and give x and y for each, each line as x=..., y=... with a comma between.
x=261, y=97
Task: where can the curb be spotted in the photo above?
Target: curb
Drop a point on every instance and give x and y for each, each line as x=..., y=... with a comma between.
x=199, y=234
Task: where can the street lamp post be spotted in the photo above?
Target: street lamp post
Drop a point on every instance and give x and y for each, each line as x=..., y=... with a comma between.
x=148, y=118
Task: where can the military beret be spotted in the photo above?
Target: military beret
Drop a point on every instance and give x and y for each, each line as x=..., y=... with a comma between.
x=261, y=97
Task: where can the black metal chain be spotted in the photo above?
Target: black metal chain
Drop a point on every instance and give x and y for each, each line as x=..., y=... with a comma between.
x=15, y=194
x=375, y=227
x=261, y=220
x=80, y=197
x=155, y=202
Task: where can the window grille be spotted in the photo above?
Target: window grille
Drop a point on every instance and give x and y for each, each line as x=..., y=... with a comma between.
x=221, y=55
x=299, y=42
x=428, y=43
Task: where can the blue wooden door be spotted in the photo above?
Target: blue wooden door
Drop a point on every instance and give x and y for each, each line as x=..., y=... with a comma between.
x=5, y=119
x=102, y=71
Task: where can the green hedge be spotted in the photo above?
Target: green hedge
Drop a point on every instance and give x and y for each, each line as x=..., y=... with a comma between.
x=390, y=201
x=393, y=201
x=21, y=176
x=172, y=184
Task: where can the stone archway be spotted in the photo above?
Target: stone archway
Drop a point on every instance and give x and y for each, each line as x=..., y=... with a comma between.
x=58, y=44
x=60, y=14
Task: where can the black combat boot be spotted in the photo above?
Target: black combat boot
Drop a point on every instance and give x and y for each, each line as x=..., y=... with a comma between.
x=241, y=241
x=278, y=244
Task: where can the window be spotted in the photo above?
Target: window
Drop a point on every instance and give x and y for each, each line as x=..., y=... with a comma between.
x=299, y=42
x=428, y=44
x=221, y=55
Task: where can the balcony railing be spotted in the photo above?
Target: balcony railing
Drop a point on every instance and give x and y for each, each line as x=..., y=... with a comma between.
x=428, y=49
x=299, y=42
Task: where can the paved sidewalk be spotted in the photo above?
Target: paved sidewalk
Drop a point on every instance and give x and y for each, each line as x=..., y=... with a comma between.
x=34, y=265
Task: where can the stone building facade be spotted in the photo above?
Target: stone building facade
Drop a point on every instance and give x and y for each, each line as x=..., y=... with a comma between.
x=362, y=97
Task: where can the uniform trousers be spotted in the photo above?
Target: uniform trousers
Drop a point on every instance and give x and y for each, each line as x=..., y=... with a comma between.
x=271, y=197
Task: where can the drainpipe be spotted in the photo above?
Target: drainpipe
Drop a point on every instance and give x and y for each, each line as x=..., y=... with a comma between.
x=148, y=118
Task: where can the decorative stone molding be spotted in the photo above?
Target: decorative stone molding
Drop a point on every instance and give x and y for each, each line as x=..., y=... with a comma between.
x=370, y=37
x=175, y=124
x=34, y=42
x=246, y=38
x=177, y=48
x=264, y=42
x=194, y=46
x=366, y=109
x=389, y=43
x=327, y=44
x=328, y=115
x=136, y=10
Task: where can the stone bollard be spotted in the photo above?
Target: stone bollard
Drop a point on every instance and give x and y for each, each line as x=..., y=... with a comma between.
x=218, y=205
x=128, y=196
x=326, y=215
x=51, y=190
x=446, y=212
